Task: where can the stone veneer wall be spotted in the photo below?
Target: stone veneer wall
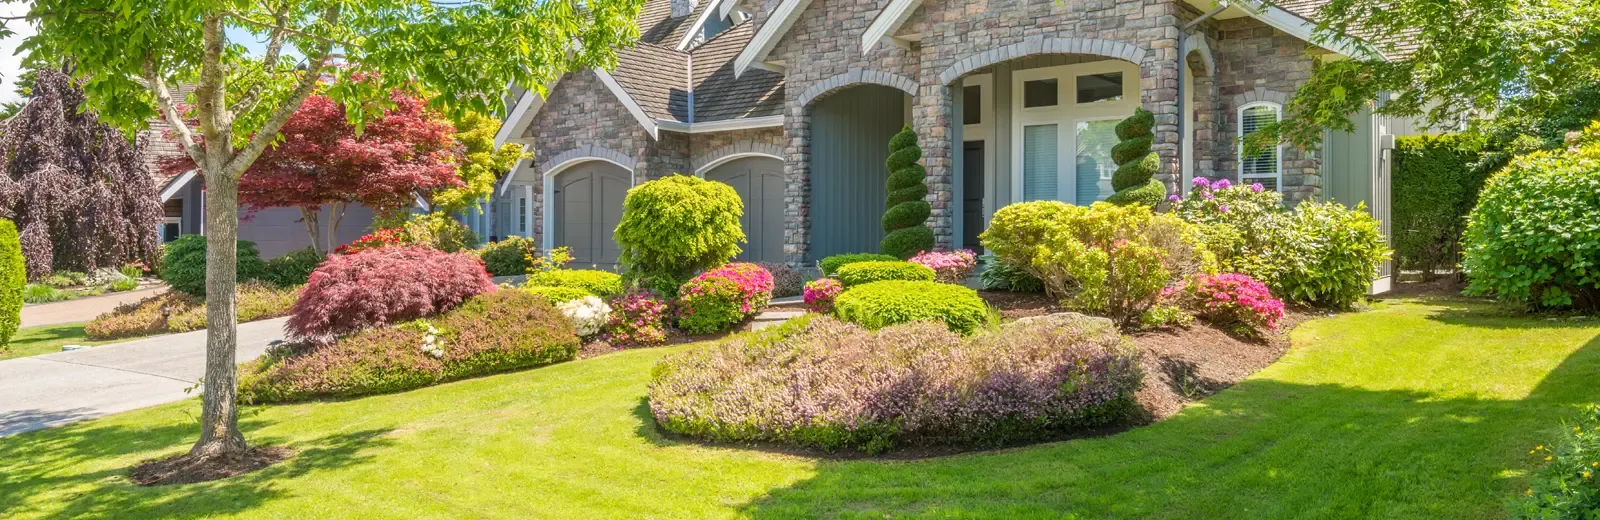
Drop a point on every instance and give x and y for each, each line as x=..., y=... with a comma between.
x=1250, y=56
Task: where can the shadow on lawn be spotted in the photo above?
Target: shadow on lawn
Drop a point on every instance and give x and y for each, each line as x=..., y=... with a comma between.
x=38, y=461
x=1263, y=449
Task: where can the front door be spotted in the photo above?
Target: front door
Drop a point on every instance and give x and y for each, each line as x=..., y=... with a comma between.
x=972, y=195
x=588, y=208
x=759, y=181
x=1064, y=121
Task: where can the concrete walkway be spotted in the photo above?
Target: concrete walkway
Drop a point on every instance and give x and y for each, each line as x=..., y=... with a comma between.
x=65, y=387
x=82, y=309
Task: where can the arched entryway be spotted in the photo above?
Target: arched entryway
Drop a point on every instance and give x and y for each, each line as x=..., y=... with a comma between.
x=850, y=132
x=759, y=181
x=587, y=206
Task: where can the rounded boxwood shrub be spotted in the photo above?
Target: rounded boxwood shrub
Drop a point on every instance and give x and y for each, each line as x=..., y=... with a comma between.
x=13, y=277
x=604, y=284
x=508, y=257
x=1033, y=379
x=906, y=218
x=831, y=265
x=867, y=272
x=718, y=299
x=494, y=332
x=880, y=304
x=1534, y=237
x=559, y=294
x=677, y=225
x=1326, y=254
x=383, y=287
x=184, y=266
x=292, y=269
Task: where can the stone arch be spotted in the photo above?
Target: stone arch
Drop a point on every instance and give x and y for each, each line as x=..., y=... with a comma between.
x=1260, y=94
x=853, y=77
x=1199, y=48
x=1038, y=45
x=583, y=153
x=738, y=150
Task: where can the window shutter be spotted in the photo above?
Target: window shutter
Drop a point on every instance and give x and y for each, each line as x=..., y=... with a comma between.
x=1040, y=162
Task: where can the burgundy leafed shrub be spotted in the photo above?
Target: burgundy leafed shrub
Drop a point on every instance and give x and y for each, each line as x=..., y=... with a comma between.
x=823, y=383
x=496, y=332
x=383, y=287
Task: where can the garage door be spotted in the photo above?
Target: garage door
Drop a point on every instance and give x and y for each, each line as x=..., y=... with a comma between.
x=759, y=181
x=588, y=207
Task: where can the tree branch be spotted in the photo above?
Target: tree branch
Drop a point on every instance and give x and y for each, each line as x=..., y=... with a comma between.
x=285, y=28
x=170, y=112
x=248, y=101
x=269, y=130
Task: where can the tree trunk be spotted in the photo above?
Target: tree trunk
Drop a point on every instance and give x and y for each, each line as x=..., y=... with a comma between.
x=335, y=217
x=219, y=420
x=309, y=217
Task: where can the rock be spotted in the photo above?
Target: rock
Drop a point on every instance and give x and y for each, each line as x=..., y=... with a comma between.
x=67, y=348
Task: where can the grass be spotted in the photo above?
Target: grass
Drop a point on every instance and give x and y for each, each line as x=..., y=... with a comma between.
x=1411, y=410
x=33, y=341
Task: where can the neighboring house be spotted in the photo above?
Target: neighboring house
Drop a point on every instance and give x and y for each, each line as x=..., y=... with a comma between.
x=793, y=102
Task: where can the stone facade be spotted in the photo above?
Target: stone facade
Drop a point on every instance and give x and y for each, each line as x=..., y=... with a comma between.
x=1255, y=61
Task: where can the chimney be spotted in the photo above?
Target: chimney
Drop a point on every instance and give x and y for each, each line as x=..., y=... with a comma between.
x=682, y=8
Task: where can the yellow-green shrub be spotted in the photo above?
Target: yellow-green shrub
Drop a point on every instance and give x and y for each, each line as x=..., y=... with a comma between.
x=881, y=304
x=604, y=284
x=867, y=272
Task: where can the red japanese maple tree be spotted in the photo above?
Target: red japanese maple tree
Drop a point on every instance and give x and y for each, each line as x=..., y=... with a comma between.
x=323, y=161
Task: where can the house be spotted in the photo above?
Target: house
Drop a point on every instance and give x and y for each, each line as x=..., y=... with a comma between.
x=793, y=103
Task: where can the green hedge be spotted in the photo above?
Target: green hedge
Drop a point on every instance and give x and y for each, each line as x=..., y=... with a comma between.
x=13, y=277
x=559, y=295
x=1434, y=189
x=860, y=273
x=604, y=284
x=832, y=264
x=881, y=304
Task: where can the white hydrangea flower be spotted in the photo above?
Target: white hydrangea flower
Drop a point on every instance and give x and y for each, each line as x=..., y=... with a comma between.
x=588, y=314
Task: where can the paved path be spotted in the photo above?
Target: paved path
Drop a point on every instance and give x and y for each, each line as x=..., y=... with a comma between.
x=55, y=389
x=82, y=309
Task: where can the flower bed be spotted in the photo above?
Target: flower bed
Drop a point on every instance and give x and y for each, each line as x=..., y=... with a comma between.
x=174, y=311
x=951, y=267
x=1229, y=299
x=720, y=298
x=823, y=383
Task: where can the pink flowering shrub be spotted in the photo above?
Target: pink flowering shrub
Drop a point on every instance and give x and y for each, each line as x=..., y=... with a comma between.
x=820, y=382
x=638, y=319
x=494, y=332
x=1229, y=299
x=383, y=287
x=821, y=293
x=952, y=267
x=722, y=297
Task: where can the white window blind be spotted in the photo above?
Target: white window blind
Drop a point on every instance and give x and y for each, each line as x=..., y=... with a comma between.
x=1266, y=167
x=1094, y=164
x=522, y=214
x=1040, y=162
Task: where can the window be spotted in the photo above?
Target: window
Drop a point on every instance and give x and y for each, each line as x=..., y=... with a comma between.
x=1266, y=167
x=1094, y=88
x=171, y=228
x=1041, y=93
x=971, y=105
x=1040, y=162
x=522, y=215
x=1094, y=164
x=714, y=26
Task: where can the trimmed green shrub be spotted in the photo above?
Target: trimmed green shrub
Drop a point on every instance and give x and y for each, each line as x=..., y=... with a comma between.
x=906, y=218
x=679, y=225
x=604, y=284
x=867, y=272
x=439, y=231
x=184, y=266
x=13, y=277
x=293, y=269
x=1001, y=276
x=508, y=257
x=492, y=332
x=881, y=304
x=1534, y=237
x=1326, y=254
x=1136, y=164
x=831, y=265
x=1434, y=188
x=558, y=295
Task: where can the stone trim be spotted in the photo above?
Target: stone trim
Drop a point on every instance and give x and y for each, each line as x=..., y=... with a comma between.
x=587, y=152
x=740, y=149
x=1260, y=94
x=1193, y=44
x=856, y=76
x=1039, y=45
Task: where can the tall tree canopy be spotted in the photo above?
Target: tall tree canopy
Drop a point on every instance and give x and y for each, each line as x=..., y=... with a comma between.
x=76, y=187
x=130, y=52
x=483, y=165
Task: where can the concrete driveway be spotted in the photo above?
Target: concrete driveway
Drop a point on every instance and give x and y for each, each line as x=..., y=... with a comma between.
x=55, y=389
x=82, y=309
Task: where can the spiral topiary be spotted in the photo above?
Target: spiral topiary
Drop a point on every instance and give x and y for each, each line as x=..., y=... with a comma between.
x=1136, y=164
x=907, y=216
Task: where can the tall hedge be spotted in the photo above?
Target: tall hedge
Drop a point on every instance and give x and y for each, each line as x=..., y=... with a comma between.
x=906, y=220
x=1137, y=165
x=1435, y=186
x=12, y=279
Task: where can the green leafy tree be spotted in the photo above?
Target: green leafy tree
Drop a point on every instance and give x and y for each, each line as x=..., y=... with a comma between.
x=130, y=54
x=907, y=215
x=484, y=163
x=1136, y=164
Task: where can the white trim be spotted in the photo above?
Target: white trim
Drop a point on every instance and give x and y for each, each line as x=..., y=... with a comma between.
x=527, y=222
x=1303, y=29
x=506, y=182
x=177, y=184
x=701, y=171
x=727, y=8
x=628, y=102
x=548, y=229
x=720, y=126
x=528, y=107
x=777, y=24
x=1277, y=176
x=887, y=22
x=1065, y=115
x=699, y=25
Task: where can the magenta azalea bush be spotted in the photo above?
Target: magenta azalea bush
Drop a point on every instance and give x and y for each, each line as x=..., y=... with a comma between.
x=638, y=319
x=1230, y=299
x=820, y=294
x=823, y=383
x=723, y=297
x=951, y=267
x=382, y=287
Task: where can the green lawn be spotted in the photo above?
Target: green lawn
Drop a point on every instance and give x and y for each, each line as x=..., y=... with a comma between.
x=45, y=339
x=1412, y=410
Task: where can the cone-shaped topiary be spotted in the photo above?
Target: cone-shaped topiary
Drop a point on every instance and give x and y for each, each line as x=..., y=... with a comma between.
x=1136, y=164
x=907, y=216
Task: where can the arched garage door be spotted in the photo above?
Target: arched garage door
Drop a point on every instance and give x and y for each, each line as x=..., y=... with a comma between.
x=588, y=208
x=759, y=181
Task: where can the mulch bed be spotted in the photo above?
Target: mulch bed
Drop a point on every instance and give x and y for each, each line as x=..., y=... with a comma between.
x=183, y=469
